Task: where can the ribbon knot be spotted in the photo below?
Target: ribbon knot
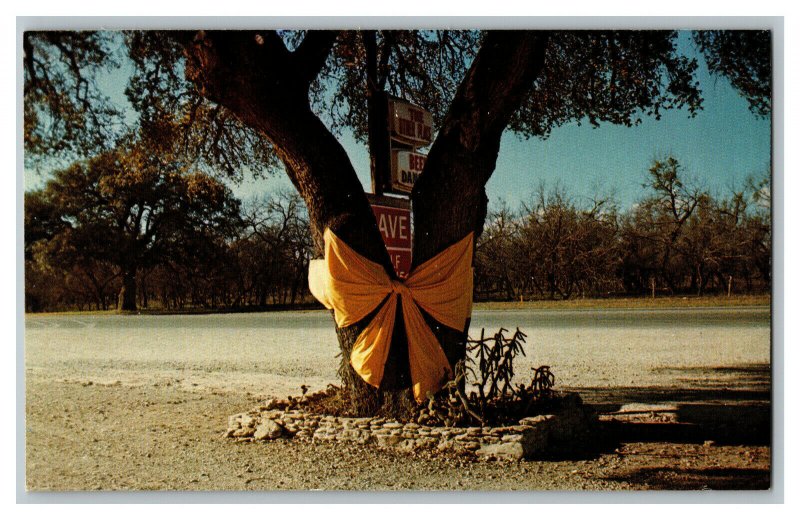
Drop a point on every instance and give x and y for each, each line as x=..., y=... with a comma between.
x=399, y=288
x=354, y=286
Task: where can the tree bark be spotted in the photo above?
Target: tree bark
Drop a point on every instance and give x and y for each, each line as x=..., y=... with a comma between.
x=266, y=86
x=127, y=294
x=253, y=75
x=449, y=198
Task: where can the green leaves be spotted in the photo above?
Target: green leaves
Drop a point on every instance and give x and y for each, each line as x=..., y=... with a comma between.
x=745, y=58
x=608, y=76
x=66, y=112
x=127, y=207
x=590, y=76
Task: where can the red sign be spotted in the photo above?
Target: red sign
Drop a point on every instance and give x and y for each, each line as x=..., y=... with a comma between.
x=394, y=224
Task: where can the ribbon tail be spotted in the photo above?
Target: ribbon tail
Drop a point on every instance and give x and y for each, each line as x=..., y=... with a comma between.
x=430, y=369
x=371, y=349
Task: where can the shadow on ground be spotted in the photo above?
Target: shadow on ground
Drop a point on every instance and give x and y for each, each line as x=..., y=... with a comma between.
x=667, y=478
x=726, y=405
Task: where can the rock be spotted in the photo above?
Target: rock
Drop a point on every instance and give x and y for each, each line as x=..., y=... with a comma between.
x=470, y=446
x=534, y=421
x=407, y=445
x=425, y=442
x=268, y=430
x=393, y=425
x=571, y=400
x=535, y=440
x=445, y=445
x=243, y=432
x=502, y=450
x=521, y=428
x=388, y=440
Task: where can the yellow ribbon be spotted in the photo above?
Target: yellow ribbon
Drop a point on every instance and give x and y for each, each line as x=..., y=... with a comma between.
x=354, y=286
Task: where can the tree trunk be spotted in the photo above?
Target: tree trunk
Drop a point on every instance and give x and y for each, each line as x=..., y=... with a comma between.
x=127, y=294
x=266, y=86
x=449, y=198
x=277, y=105
x=144, y=292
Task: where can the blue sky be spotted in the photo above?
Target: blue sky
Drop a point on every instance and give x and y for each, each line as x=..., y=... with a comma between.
x=719, y=148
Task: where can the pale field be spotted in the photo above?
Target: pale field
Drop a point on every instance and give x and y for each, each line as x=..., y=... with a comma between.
x=141, y=402
x=274, y=353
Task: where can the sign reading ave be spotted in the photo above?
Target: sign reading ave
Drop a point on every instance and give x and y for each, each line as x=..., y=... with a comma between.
x=394, y=222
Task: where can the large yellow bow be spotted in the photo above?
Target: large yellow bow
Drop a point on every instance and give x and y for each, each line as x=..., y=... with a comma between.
x=354, y=286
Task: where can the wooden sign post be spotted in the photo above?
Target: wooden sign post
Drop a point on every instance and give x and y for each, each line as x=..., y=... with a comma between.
x=410, y=127
x=396, y=129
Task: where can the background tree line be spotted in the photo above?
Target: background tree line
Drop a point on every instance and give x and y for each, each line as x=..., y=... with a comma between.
x=677, y=239
x=138, y=228
x=126, y=231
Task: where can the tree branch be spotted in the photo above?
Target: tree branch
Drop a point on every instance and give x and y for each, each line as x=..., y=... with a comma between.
x=251, y=77
x=311, y=55
x=464, y=154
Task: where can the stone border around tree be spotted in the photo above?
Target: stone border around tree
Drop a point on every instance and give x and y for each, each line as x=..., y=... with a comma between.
x=571, y=428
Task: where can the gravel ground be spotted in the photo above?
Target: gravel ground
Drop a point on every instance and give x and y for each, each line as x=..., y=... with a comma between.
x=144, y=408
x=112, y=437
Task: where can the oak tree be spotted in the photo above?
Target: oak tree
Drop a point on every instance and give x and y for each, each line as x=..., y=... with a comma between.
x=130, y=210
x=236, y=95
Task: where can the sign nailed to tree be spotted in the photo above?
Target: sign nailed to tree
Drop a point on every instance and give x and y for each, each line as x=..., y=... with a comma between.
x=394, y=222
x=409, y=123
x=406, y=168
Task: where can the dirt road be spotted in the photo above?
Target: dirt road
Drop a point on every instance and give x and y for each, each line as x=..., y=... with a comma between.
x=94, y=437
x=137, y=408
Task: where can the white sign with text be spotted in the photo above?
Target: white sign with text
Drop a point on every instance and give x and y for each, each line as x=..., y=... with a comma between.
x=406, y=168
x=409, y=123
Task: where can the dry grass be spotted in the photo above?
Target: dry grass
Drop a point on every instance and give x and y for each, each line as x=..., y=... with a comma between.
x=659, y=302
